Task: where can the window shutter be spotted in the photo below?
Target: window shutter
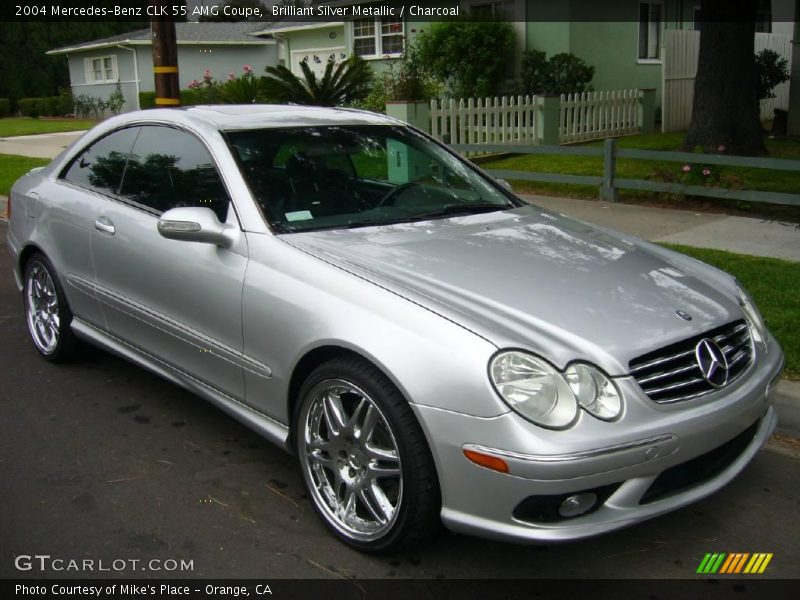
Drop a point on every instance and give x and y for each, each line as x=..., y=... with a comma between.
x=87, y=70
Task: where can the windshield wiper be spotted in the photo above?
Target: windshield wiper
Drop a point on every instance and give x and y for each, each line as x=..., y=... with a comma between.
x=445, y=211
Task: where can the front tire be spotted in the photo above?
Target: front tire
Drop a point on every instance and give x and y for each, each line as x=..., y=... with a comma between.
x=364, y=459
x=46, y=311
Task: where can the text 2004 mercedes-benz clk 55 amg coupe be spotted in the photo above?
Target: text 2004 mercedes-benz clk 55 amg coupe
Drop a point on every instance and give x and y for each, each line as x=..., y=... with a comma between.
x=431, y=348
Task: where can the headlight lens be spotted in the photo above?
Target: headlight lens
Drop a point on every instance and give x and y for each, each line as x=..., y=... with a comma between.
x=595, y=392
x=534, y=389
x=757, y=326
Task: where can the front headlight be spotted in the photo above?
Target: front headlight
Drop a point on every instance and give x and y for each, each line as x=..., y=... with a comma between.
x=534, y=389
x=595, y=392
x=754, y=319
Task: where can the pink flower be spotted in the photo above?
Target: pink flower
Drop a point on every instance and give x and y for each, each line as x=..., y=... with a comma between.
x=207, y=75
x=247, y=69
x=706, y=172
x=194, y=84
x=721, y=148
x=231, y=76
x=686, y=168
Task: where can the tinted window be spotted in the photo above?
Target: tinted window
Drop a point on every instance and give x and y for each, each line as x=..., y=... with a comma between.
x=355, y=176
x=101, y=165
x=169, y=168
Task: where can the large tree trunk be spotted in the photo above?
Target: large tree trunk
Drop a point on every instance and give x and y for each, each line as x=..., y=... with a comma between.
x=726, y=109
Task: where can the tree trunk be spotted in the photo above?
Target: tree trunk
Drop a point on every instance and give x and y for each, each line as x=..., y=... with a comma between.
x=726, y=108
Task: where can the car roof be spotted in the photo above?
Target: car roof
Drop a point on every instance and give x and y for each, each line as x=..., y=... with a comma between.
x=228, y=117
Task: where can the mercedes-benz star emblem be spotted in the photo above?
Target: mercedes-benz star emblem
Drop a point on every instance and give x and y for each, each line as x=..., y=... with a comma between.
x=712, y=362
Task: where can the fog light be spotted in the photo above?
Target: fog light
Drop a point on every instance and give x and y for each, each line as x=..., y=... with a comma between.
x=577, y=504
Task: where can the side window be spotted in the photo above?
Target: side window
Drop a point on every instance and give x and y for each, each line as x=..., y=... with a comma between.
x=100, y=166
x=169, y=168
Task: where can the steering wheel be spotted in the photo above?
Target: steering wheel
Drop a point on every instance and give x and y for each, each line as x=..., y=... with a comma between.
x=396, y=192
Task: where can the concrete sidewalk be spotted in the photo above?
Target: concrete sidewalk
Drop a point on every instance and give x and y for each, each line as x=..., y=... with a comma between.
x=744, y=235
x=45, y=145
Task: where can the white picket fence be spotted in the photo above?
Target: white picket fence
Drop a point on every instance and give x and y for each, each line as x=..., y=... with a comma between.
x=518, y=119
x=506, y=120
x=598, y=115
x=681, y=51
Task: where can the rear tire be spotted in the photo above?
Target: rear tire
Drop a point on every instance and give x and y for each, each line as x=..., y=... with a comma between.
x=364, y=459
x=46, y=311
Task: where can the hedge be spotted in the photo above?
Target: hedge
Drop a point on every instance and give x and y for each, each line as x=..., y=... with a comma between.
x=50, y=106
x=5, y=107
x=188, y=98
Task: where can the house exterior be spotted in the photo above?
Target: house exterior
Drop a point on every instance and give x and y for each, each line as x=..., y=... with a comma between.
x=97, y=66
x=622, y=39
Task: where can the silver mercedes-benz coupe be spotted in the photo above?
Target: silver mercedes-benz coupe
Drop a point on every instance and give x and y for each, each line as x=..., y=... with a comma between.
x=430, y=347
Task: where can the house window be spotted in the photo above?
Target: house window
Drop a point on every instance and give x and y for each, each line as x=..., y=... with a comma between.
x=101, y=70
x=492, y=10
x=764, y=17
x=650, y=18
x=380, y=36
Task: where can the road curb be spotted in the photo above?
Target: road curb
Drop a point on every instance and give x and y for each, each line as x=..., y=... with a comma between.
x=787, y=404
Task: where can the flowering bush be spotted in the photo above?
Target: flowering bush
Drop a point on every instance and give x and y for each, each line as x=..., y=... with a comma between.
x=698, y=175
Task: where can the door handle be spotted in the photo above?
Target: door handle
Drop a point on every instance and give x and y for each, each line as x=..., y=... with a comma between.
x=105, y=225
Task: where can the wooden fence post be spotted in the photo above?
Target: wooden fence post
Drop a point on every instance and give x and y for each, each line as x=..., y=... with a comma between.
x=549, y=117
x=608, y=192
x=647, y=111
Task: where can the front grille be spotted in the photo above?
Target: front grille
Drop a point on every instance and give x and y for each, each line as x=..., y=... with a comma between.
x=672, y=374
x=699, y=470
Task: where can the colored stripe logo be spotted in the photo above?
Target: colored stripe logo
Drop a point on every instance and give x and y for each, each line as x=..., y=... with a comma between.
x=734, y=563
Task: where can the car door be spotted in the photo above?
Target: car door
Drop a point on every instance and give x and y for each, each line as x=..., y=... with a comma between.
x=85, y=183
x=178, y=301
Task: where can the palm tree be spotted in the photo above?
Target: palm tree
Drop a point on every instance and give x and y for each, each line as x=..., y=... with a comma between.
x=339, y=84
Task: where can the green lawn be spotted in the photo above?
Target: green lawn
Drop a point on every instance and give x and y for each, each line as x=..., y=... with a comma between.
x=775, y=287
x=746, y=178
x=13, y=167
x=27, y=126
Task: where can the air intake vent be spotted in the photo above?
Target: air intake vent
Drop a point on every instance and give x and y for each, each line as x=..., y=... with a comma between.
x=672, y=374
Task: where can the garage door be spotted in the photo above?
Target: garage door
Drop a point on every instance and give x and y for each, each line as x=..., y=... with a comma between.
x=317, y=59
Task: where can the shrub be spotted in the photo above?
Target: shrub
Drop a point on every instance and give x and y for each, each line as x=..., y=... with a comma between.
x=469, y=57
x=563, y=73
x=116, y=100
x=5, y=107
x=772, y=71
x=342, y=83
x=29, y=107
x=87, y=106
x=49, y=106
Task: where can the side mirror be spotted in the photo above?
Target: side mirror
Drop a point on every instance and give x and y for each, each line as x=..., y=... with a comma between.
x=195, y=224
x=505, y=185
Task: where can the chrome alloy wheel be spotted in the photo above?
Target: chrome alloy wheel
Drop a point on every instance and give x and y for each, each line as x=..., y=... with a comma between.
x=350, y=459
x=42, y=308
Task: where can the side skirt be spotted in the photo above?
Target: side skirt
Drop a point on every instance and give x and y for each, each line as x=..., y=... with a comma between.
x=272, y=430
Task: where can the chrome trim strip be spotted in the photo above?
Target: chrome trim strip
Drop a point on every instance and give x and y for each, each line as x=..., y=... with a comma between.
x=664, y=374
x=658, y=361
x=572, y=456
x=674, y=386
x=172, y=327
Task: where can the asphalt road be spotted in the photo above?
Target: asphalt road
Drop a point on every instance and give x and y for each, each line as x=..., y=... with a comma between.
x=101, y=460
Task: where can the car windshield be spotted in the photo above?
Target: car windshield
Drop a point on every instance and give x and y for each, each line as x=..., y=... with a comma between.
x=357, y=176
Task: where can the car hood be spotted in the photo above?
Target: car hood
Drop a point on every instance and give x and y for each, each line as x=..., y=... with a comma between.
x=532, y=279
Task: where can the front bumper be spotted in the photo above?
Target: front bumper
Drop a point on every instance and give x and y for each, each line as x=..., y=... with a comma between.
x=648, y=440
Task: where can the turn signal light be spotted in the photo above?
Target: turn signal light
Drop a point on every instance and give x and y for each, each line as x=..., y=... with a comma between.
x=485, y=460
